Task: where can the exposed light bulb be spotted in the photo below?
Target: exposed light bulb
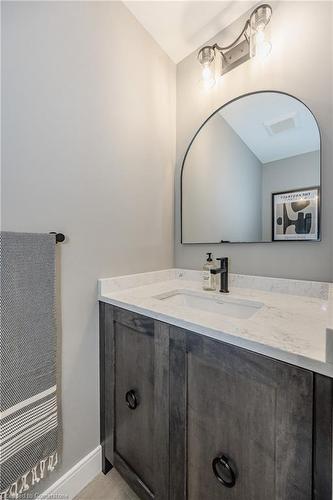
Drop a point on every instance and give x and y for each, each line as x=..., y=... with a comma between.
x=208, y=77
x=207, y=73
x=260, y=25
x=206, y=58
x=263, y=46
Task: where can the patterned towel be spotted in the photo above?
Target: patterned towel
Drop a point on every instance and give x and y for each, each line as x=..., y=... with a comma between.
x=28, y=400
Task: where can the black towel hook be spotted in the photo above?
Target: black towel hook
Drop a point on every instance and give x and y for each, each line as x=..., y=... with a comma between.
x=58, y=236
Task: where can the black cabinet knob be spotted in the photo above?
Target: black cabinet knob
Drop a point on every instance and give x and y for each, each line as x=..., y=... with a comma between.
x=131, y=399
x=223, y=471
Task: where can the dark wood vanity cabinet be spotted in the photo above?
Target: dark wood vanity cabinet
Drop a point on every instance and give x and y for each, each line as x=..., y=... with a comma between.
x=184, y=416
x=134, y=366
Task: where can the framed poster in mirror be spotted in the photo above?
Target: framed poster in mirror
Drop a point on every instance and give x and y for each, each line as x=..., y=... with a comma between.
x=295, y=215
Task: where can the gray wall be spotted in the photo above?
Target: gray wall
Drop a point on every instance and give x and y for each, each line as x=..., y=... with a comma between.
x=297, y=172
x=221, y=175
x=88, y=134
x=287, y=69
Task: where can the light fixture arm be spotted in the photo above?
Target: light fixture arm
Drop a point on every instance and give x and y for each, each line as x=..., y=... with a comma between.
x=231, y=45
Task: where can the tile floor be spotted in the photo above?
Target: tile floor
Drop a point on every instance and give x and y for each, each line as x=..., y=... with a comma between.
x=109, y=487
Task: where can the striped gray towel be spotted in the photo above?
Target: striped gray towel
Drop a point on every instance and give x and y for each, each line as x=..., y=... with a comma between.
x=28, y=401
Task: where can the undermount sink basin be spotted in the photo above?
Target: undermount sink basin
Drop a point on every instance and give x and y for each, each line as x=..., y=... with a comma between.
x=226, y=306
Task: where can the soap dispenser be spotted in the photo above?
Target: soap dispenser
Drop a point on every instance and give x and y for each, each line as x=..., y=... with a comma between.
x=209, y=279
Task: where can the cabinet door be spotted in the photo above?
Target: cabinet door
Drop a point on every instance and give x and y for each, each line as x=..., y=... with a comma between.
x=139, y=395
x=134, y=396
x=247, y=420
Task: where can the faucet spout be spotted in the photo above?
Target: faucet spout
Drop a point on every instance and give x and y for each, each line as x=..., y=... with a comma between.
x=223, y=271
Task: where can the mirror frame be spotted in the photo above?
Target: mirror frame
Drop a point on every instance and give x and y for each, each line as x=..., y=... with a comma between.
x=252, y=242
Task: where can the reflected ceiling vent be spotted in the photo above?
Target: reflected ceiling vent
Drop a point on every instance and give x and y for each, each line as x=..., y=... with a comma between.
x=282, y=124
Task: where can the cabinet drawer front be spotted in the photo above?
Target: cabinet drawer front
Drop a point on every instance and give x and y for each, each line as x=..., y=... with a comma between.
x=134, y=400
x=254, y=412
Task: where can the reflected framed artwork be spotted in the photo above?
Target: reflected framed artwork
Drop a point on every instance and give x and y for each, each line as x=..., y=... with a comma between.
x=295, y=215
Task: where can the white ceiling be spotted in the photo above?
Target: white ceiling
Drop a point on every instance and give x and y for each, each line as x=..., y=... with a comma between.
x=180, y=27
x=248, y=116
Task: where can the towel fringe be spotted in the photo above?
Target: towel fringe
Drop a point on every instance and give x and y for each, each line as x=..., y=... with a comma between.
x=22, y=484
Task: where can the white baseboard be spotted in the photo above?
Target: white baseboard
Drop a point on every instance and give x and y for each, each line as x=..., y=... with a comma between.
x=71, y=483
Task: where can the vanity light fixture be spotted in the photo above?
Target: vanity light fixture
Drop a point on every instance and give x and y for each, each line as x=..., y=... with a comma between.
x=253, y=41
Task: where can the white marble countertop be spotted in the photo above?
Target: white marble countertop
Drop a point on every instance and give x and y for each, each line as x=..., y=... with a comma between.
x=294, y=324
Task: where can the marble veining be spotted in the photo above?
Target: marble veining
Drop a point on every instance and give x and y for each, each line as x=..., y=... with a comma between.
x=295, y=323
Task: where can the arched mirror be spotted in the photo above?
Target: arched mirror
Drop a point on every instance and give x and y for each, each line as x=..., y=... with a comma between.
x=252, y=173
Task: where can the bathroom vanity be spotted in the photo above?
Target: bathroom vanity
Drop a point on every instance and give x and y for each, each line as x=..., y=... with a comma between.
x=205, y=396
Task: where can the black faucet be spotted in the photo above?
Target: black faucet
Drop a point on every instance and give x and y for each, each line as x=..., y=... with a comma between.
x=223, y=272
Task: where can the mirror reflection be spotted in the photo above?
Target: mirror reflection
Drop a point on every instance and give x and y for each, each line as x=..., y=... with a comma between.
x=252, y=173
